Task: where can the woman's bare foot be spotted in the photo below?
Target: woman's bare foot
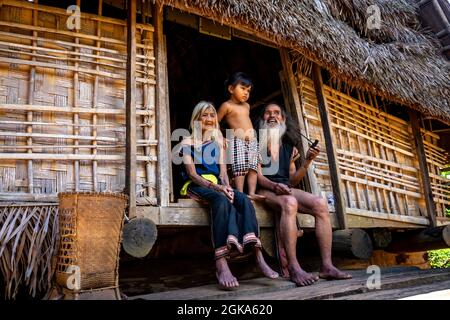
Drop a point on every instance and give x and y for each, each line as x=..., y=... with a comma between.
x=263, y=266
x=256, y=197
x=333, y=273
x=300, y=277
x=226, y=279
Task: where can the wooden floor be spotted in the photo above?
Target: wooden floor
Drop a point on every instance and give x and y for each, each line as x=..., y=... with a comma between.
x=396, y=283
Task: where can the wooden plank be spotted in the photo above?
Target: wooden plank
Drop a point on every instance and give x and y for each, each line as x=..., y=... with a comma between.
x=130, y=162
x=407, y=278
x=339, y=204
x=295, y=110
x=392, y=217
x=428, y=193
x=162, y=109
x=192, y=214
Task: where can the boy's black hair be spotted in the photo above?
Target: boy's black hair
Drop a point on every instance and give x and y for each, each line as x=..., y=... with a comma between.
x=237, y=78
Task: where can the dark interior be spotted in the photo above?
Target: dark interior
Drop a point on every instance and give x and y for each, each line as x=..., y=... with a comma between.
x=198, y=66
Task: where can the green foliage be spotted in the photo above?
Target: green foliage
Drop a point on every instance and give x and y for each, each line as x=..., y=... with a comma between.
x=439, y=258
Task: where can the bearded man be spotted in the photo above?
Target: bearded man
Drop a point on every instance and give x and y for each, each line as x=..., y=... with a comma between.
x=277, y=140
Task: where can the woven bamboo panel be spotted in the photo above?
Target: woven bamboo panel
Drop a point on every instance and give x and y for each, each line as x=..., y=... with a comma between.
x=377, y=159
x=62, y=103
x=437, y=158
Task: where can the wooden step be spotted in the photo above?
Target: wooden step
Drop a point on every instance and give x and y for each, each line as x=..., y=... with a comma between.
x=357, y=285
x=433, y=291
x=283, y=289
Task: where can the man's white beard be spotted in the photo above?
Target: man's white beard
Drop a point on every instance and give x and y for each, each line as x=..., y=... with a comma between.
x=270, y=138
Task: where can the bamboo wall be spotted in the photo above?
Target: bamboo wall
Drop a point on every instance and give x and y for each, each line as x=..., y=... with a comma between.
x=377, y=158
x=62, y=104
x=437, y=158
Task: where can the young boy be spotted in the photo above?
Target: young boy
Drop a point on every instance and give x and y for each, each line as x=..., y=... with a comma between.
x=244, y=145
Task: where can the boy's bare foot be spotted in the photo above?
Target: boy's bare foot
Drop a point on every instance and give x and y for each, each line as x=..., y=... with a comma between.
x=263, y=266
x=300, y=277
x=333, y=273
x=256, y=197
x=226, y=279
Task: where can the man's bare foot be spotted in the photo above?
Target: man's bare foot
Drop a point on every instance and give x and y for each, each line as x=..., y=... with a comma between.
x=256, y=197
x=333, y=273
x=226, y=279
x=300, y=277
x=263, y=266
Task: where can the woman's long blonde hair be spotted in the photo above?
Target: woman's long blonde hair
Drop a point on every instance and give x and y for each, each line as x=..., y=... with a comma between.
x=201, y=107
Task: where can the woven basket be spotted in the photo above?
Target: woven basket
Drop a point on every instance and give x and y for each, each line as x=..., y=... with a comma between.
x=90, y=235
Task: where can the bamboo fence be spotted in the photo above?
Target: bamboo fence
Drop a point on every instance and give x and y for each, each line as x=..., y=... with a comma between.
x=62, y=103
x=377, y=159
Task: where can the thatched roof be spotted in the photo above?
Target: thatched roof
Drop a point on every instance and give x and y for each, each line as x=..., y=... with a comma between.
x=397, y=62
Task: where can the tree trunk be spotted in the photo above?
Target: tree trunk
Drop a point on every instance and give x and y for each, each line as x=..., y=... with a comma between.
x=414, y=241
x=352, y=243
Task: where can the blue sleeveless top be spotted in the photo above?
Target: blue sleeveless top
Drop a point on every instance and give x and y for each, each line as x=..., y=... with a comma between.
x=206, y=159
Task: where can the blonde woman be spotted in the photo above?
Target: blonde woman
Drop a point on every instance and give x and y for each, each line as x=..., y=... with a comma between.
x=233, y=220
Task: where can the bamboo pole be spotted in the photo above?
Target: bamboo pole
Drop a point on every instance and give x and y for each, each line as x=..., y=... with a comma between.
x=64, y=58
x=311, y=180
x=70, y=157
x=402, y=205
x=76, y=129
x=378, y=160
x=366, y=187
x=62, y=146
x=31, y=84
x=330, y=147
x=95, y=102
x=42, y=108
x=360, y=169
x=130, y=163
x=62, y=53
x=62, y=32
x=146, y=119
x=428, y=192
x=162, y=109
x=58, y=124
x=55, y=136
x=340, y=145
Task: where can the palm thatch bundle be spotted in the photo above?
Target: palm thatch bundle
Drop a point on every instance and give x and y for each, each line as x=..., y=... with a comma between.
x=398, y=61
x=28, y=240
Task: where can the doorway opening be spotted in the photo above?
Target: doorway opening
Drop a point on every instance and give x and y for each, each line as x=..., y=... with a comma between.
x=198, y=65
